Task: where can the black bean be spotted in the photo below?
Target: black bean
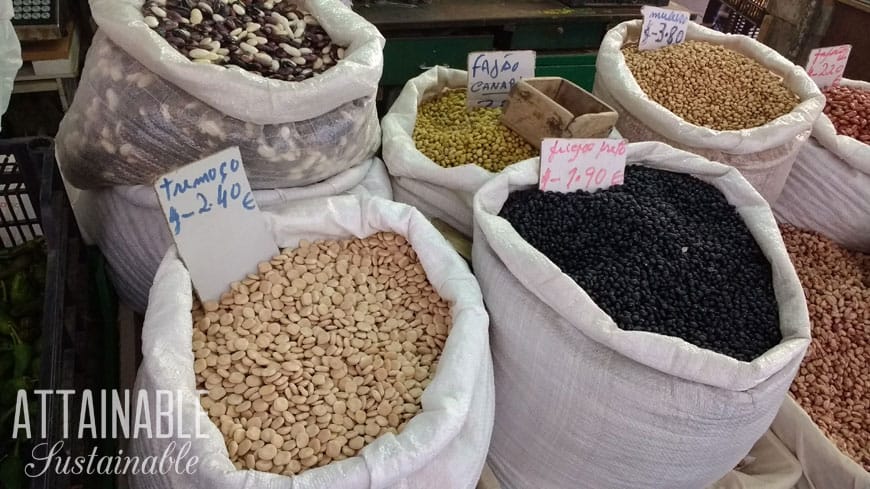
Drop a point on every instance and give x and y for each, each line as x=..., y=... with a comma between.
x=664, y=253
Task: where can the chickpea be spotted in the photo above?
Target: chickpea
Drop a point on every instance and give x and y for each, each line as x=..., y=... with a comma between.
x=710, y=85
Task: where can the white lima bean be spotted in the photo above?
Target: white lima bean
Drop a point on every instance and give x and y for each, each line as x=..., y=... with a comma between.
x=327, y=347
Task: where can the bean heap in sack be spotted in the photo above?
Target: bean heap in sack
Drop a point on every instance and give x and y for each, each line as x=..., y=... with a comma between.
x=833, y=384
x=664, y=253
x=273, y=37
x=849, y=111
x=328, y=347
x=710, y=85
x=451, y=135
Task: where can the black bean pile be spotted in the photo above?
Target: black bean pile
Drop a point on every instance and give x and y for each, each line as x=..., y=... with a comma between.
x=664, y=253
x=274, y=38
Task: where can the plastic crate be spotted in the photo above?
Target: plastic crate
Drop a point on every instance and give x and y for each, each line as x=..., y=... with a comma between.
x=33, y=203
x=737, y=16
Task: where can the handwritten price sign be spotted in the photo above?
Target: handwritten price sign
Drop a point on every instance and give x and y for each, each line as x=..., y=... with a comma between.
x=826, y=65
x=568, y=165
x=492, y=74
x=215, y=222
x=662, y=27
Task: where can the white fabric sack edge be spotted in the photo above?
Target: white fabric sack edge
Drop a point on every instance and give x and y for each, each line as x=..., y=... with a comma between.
x=671, y=355
x=849, y=149
x=824, y=465
x=770, y=466
x=370, y=175
x=245, y=95
x=401, y=154
x=623, y=87
x=113, y=217
x=827, y=188
x=446, y=400
x=10, y=54
x=434, y=201
x=367, y=172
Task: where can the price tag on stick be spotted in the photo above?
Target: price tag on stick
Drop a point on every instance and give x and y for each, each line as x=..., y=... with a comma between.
x=662, y=27
x=826, y=65
x=568, y=165
x=492, y=74
x=215, y=222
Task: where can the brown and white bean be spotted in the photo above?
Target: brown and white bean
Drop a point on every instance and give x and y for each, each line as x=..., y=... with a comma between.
x=252, y=34
x=352, y=334
x=833, y=383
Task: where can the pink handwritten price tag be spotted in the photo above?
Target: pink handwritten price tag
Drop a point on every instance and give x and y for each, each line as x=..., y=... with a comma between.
x=568, y=165
x=826, y=65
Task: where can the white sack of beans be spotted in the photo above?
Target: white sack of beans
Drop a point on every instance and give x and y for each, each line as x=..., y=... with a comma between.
x=439, y=192
x=442, y=447
x=769, y=465
x=628, y=409
x=828, y=186
x=143, y=108
x=128, y=225
x=763, y=154
x=823, y=464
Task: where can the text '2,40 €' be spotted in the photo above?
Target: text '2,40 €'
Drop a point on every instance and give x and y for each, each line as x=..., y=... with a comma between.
x=223, y=194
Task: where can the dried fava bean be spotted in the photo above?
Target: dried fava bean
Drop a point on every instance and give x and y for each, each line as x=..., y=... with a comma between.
x=276, y=39
x=283, y=408
x=833, y=383
x=451, y=135
x=664, y=253
x=710, y=85
x=849, y=111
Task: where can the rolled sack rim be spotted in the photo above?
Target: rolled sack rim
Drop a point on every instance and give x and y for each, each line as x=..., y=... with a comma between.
x=671, y=355
x=623, y=87
x=401, y=154
x=355, y=76
x=446, y=401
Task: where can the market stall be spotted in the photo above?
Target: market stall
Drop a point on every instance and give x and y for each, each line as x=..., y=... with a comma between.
x=479, y=244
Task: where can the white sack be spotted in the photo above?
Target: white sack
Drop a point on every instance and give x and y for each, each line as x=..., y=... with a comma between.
x=444, y=193
x=10, y=54
x=249, y=96
x=824, y=465
x=128, y=126
x=581, y=403
x=769, y=465
x=131, y=231
x=764, y=155
x=828, y=187
x=443, y=447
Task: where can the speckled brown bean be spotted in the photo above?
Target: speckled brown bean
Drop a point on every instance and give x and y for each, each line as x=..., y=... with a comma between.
x=849, y=111
x=833, y=384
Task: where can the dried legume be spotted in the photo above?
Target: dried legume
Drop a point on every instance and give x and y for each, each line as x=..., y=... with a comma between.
x=664, y=253
x=849, y=111
x=328, y=347
x=710, y=85
x=833, y=384
x=451, y=135
x=274, y=38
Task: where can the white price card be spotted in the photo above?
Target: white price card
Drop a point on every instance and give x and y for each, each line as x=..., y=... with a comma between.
x=568, y=165
x=215, y=221
x=826, y=65
x=492, y=74
x=662, y=27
